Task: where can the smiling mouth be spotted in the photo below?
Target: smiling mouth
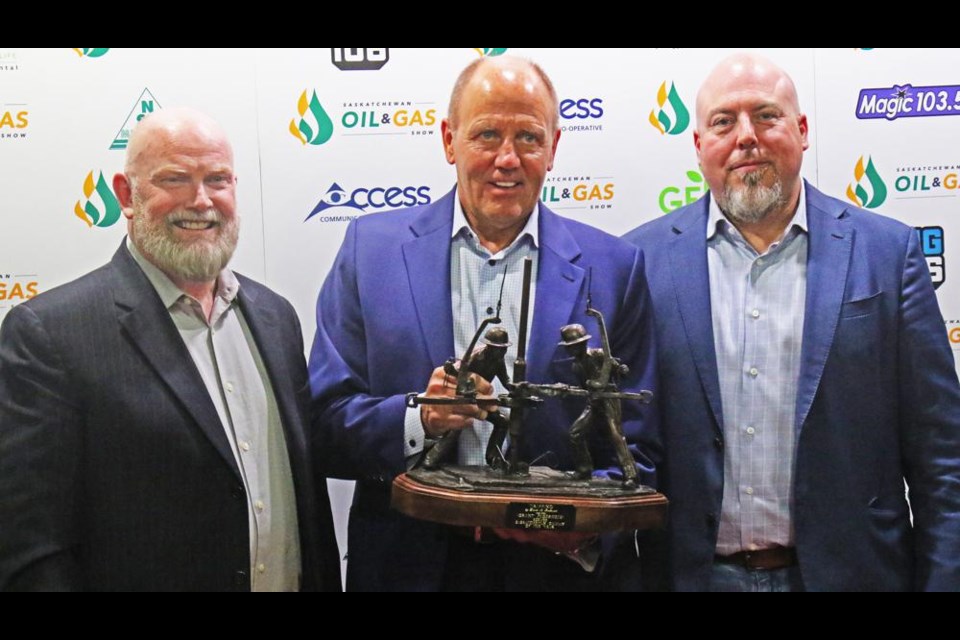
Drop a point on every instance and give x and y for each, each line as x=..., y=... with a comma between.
x=506, y=185
x=195, y=225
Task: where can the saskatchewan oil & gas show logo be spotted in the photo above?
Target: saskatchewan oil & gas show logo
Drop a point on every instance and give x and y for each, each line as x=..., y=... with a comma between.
x=340, y=205
x=16, y=288
x=927, y=180
x=953, y=333
x=362, y=117
x=675, y=196
x=671, y=116
x=144, y=106
x=100, y=207
x=912, y=181
x=490, y=53
x=91, y=53
x=587, y=193
x=14, y=121
x=359, y=59
x=868, y=190
x=313, y=126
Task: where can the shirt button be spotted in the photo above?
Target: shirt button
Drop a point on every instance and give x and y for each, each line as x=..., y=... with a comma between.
x=229, y=387
x=759, y=262
x=489, y=311
x=244, y=445
x=751, y=431
x=259, y=505
x=755, y=314
x=749, y=491
x=412, y=443
x=492, y=263
x=754, y=372
x=261, y=568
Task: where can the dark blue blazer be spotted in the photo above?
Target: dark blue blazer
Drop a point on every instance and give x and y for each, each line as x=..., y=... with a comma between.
x=878, y=404
x=385, y=322
x=115, y=471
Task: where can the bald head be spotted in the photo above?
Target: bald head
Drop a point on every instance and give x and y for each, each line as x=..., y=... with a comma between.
x=157, y=132
x=502, y=136
x=750, y=140
x=744, y=73
x=178, y=193
x=525, y=76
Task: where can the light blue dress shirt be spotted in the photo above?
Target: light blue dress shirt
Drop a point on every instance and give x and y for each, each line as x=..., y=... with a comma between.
x=757, y=306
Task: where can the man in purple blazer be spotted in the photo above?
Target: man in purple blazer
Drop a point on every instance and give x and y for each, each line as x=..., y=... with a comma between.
x=804, y=368
x=408, y=290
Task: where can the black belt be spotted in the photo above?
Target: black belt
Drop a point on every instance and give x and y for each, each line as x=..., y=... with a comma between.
x=762, y=559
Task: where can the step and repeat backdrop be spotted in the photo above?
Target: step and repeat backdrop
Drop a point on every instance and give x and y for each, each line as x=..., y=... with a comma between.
x=322, y=136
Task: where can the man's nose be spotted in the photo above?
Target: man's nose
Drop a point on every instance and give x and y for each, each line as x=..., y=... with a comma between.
x=201, y=199
x=746, y=134
x=507, y=157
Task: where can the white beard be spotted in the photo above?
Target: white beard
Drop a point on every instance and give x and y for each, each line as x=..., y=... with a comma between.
x=200, y=261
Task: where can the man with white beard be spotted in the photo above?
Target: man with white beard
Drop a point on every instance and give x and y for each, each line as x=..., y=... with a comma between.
x=805, y=372
x=153, y=412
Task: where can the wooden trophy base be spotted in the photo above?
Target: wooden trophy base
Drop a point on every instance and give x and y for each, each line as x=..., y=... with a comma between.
x=544, y=500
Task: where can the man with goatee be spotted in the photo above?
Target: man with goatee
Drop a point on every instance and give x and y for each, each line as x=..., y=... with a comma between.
x=804, y=368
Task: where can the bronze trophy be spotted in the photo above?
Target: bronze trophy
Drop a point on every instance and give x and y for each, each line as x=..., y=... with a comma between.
x=509, y=492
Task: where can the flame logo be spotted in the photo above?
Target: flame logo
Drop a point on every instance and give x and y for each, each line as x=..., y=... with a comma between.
x=489, y=53
x=89, y=212
x=856, y=191
x=659, y=118
x=318, y=129
x=91, y=53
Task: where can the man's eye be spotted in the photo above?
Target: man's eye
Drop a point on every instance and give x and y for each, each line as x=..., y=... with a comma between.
x=175, y=180
x=488, y=135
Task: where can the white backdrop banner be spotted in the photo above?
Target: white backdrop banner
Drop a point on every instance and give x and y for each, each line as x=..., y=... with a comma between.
x=322, y=136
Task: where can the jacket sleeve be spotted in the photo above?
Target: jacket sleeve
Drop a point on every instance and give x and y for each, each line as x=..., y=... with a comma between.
x=41, y=446
x=357, y=435
x=930, y=427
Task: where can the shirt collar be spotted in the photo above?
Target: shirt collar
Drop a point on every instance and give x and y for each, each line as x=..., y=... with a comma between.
x=716, y=218
x=461, y=226
x=227, y=284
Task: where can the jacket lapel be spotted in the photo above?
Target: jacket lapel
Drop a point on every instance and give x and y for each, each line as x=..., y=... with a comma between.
x=691, y=282
x=143, y=317
x=558, y=289
x=828, y=261
x=427, y=258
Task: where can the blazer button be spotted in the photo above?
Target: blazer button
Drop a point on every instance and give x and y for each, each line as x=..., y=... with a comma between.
x=718, y=443
x=241, y=579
